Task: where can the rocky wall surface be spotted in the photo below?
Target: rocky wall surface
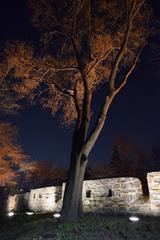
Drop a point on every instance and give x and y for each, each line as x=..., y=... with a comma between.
x=11, y=203
x=42, y=199
x=104, y=195
x=111, y=195
x=18, y=202
x=153, y=179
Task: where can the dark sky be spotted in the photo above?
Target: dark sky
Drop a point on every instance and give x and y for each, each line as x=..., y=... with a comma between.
x=135, y=112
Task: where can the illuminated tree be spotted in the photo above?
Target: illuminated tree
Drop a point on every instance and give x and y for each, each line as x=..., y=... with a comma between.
x=8, y=99
x=84, y=45
x=12, y=156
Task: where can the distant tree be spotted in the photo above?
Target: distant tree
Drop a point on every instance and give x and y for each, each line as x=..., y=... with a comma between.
x=128, y=159
x=90, y=172
x=103, y=171
x=12, y=156
x=155, y=157
x=115, y=158
x=143, y=164
x=85, y=45
x=44, y=173
x=100, y=170
x=123, y=160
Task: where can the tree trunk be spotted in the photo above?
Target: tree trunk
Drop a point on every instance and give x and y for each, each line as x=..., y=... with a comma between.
x=72, y=203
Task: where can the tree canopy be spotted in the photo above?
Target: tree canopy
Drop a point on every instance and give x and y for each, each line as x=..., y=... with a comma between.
x=82, y=45
x=12, y=156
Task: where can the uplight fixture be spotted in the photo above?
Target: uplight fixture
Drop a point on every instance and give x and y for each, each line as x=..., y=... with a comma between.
x=29, y=213
x=56, y=215
x=10, y=214
x=134, y=219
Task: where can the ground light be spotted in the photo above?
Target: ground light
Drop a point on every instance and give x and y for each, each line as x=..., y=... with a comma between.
x=10, y=214
x=134, y=219
x=56, y=215
x=29, y=213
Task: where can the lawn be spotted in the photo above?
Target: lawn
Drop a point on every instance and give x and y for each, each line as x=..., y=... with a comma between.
x=91, y=227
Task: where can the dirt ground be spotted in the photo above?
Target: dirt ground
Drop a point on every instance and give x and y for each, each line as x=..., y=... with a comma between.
x=91, y=227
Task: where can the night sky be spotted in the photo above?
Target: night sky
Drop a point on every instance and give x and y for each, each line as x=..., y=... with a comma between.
x=135, y=112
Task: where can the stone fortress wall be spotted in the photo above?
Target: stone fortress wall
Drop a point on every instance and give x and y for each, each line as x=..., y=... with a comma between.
x=113, y=195
x=110, y=195
x=154, y=190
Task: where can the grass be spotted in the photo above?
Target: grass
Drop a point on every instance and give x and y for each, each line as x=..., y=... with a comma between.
x=91, y=227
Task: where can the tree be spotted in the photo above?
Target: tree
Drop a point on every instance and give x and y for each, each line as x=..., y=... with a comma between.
x=8, y=98
x=155, y=157
x=143, y=166
x=124, y=159
x=115, y=159
x=44, y=174
x=84, y=45
x=100, y=170
x=128, y=159
x=12, y=156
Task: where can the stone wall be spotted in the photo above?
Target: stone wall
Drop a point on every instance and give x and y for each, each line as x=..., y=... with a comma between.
x=154, y=190
x=110, y=195
x=42, y=199
x=18, y=202
x=37, y=200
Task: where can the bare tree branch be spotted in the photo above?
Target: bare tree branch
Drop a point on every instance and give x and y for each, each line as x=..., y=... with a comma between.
x=124, y=45
x=81, y=5
x=130, y=70
x=43, y=75
x=63, y=91
x=112, y=92
x=98, y=60
x=56, y=69
x=5, y=75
